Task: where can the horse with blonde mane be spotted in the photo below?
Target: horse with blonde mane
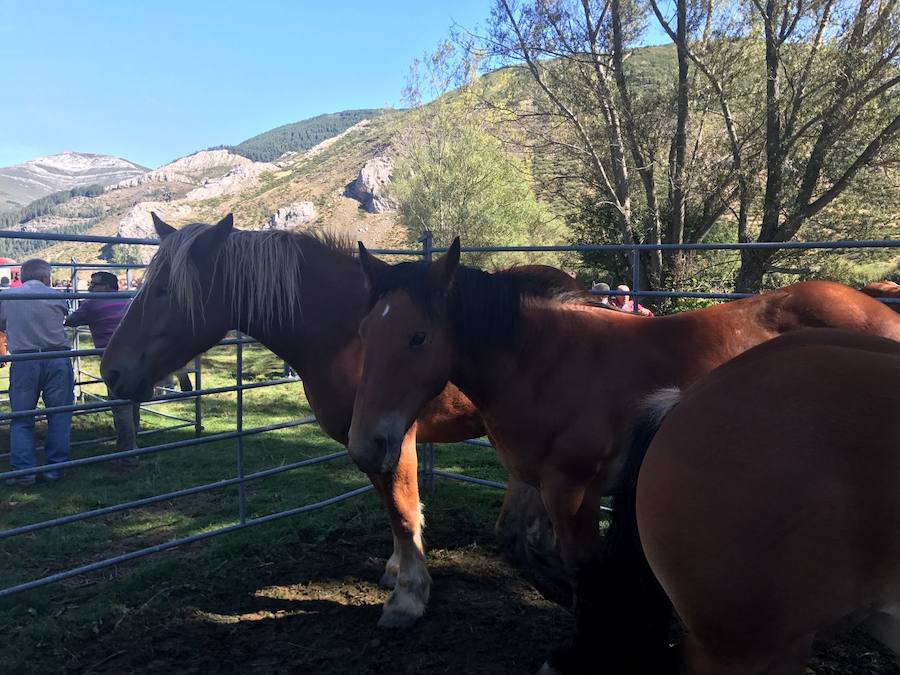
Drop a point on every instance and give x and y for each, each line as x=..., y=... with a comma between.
x=303, y=297
x=765, y=505
x=557, y=383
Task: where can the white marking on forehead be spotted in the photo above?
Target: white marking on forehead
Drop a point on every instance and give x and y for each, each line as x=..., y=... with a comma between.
x=387, y=308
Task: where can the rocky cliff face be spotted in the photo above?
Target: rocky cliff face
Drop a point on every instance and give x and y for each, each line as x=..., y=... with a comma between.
x=137, y=223
x=291, y=216
x=370, y=186
x=237, y=179
x=23, y=183
x=194, y=169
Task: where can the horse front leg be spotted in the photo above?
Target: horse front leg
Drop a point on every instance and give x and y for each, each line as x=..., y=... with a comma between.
x=575, y=513
x=405, y=569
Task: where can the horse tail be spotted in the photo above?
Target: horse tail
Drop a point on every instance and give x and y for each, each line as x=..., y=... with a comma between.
x=633, y=614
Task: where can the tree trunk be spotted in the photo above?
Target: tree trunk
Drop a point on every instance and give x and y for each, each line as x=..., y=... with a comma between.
x=644, y=165
x=755, y=263
x=676, y=224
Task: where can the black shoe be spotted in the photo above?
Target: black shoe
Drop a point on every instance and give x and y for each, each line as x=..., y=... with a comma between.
x=21, y=481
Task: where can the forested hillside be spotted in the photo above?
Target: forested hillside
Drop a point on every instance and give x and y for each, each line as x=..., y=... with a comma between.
x=300, y=136
x=19, y=249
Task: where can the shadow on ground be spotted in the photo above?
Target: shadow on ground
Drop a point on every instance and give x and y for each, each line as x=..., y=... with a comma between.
x=321, y=617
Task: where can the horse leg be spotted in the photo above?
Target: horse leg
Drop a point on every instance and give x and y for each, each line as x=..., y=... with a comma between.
x=406, y=566
x=575, y=512
x=562, y=505
x=525, y=536
x=392, y=567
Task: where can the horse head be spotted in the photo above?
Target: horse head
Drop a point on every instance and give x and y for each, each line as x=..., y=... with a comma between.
x=175, y=314
x=408, y=354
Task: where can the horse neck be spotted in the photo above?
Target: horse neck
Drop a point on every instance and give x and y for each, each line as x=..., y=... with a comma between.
x=486, y=375
x=331, y=304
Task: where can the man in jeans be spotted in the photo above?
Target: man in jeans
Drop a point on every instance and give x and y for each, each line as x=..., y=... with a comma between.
x=4, y=284
x=34, y=326
x=102, y=317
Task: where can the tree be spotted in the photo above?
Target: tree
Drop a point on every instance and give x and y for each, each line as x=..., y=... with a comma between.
x=768, y=112
x=125, y=254
x=831, y=109
x=610, y=131
x=454, y=177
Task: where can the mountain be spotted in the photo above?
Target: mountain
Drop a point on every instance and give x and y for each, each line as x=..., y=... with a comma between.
x=300, y=136
x=23, y=183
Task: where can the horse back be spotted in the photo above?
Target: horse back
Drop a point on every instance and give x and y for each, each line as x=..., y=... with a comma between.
x=813, y=304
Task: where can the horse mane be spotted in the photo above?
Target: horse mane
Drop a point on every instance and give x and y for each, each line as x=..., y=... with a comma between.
x=484, y=308
x=272, y=294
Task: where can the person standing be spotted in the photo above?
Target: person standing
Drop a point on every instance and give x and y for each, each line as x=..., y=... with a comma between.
x=102, y=317
x=601, y=289
x=4, y=284
x=32, y=326
x=626, y=304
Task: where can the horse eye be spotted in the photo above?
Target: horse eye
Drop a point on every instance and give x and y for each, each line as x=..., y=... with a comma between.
x=417, y=340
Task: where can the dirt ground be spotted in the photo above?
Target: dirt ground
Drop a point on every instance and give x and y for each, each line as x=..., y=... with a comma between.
x=316, y=613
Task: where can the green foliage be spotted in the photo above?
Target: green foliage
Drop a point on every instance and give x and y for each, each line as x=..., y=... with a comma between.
x=44, y=205
x=125, y=254
x=300, y=136
x=21, y=249
x=455, y=177
x=463, y=183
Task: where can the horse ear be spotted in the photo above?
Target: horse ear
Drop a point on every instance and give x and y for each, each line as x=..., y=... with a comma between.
x=441, y=271
x=371, y=265
x=163, y=229
x=213, y=237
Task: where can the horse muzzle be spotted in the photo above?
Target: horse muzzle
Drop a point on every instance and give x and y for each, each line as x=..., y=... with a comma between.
x=378, y=452
x=127, y=383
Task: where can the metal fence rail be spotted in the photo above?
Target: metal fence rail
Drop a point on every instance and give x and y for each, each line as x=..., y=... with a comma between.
x=241, y=478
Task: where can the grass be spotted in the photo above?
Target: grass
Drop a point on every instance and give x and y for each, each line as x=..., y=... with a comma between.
x=97, y=603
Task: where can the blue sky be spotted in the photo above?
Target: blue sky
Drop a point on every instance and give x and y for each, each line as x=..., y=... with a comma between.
x=155, y=81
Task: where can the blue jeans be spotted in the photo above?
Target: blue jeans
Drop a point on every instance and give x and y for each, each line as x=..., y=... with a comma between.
x=54, y=380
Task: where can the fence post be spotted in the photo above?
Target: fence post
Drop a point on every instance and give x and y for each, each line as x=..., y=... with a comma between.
x=427, y=459
x=198, y=408
x=635, y=277
x=239, y=427
x=76, y=340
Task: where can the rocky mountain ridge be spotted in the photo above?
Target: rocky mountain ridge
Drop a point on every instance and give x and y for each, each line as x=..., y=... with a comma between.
x=23, y=183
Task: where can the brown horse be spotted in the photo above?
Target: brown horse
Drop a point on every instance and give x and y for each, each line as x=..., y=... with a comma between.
x=768, y=506
x=556, y=383
x=303, y=297
x=884, y=289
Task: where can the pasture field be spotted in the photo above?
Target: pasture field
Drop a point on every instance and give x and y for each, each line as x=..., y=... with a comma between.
x=295, y=595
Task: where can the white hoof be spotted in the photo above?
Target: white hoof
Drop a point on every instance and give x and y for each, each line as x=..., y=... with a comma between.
x=399, y=619
x=547, y=669
x=406, y=604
